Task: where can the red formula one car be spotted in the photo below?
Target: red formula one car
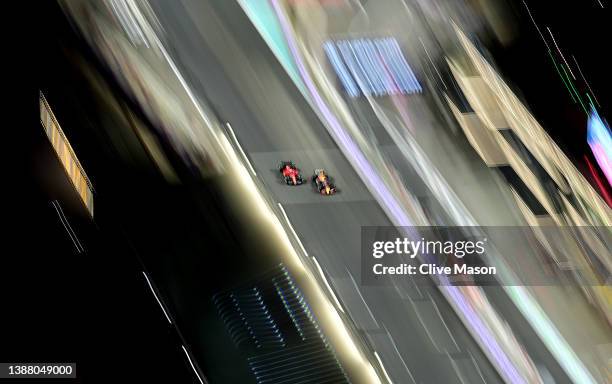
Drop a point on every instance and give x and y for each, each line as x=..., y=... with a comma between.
x=323, y=183
x=290, y=173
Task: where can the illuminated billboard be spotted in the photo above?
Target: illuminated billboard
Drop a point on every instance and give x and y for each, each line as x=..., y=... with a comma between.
x=66, y=154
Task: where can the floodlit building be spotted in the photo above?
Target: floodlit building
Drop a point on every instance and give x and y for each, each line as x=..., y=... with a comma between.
x=548, y=188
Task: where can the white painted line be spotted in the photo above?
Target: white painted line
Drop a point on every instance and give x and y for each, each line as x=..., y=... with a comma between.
x=362, y=299
x=397, y=289
x=156, y=298
x=191, y=363
x=329, y=288
x=416, y=311
x=297, y=238
x=383, y=367
x=417, y=288
x=443, y=322
x=246, y=159
x=477, y=367
x=292, y=230
x=399, y=354
x=456, y=368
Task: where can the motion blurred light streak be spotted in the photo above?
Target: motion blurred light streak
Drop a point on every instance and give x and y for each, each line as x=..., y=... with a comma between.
x=156, y=297
x=342, y=136
x=561, y=76
x=574, y=89
x=378, y=65
x=358, y=49
x=566, y=79
x=585, y=81
x=405, y=69
x=537, y=140
x=432, y=63
x=386, y=74
x=147, y=72
x=340, y=69
x=263, y=18
x=375, y=61
x=73, y=237
x=600, y=141
x=127, y=13
x=534, y=23
x=458, y=212
x=560, y=53
x=538, y=319
x=551, y=157
x=598, y=180
x=246, y=186
x=328, y=312
x=391, y=206
x=257, y=200
x=355, y=66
